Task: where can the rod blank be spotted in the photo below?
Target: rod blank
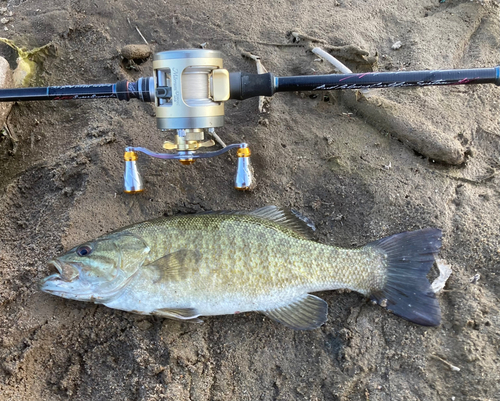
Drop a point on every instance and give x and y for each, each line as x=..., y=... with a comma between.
x=59, y=93
x=400, y=79
x=122, y=90
x=244, y=86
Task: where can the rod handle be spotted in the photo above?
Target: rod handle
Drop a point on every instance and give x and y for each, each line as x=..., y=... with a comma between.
x=243, y=85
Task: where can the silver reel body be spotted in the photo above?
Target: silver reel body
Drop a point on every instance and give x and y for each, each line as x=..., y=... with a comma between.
x=199, y=87
x=190, y=88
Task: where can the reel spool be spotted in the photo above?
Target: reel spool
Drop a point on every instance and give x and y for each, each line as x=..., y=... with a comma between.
x=190, y=90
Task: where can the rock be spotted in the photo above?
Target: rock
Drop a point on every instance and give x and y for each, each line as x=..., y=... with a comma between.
x=411, y=129
x=397, y=45
x=136, y=52
x=5, y=82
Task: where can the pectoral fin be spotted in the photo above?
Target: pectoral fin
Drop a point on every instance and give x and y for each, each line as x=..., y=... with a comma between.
x=185, y=314
x=175, y=266
x=305, y=313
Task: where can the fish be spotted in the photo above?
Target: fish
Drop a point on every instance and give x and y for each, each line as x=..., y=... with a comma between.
x=266, y=260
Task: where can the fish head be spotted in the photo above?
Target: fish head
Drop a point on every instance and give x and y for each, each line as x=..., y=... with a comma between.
x=97, y=270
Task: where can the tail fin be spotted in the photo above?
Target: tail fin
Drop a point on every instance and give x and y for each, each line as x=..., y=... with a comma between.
x=407, y=291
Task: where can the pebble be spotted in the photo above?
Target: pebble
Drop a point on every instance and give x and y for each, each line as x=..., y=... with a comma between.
x=136, y=52
x=397, y=45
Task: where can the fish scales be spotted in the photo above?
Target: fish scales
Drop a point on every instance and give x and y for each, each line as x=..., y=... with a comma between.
x=225, y=263
x=244, y=254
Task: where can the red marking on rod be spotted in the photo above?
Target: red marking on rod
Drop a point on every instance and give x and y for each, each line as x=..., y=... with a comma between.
x=465, y=81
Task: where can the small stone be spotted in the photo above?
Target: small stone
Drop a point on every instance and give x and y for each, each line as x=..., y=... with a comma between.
x=264, y=122
x=397, y=45
x=4, y=20
x=475, y=278
x=144, y=325
x=3, y=10
x=136, y=52
x=68, y=191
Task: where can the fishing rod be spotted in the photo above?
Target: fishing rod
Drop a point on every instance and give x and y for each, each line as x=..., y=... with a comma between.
x=189, y=88
x=244, y=86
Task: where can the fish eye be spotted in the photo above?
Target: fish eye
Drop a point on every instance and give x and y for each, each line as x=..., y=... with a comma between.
x=84, y=250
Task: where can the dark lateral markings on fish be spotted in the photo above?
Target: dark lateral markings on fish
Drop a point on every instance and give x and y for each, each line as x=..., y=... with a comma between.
x=217, y=263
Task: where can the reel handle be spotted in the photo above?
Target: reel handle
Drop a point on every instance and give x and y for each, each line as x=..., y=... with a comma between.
x=133, y=183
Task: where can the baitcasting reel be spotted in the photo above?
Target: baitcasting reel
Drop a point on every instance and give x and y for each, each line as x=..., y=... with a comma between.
x=189, y=88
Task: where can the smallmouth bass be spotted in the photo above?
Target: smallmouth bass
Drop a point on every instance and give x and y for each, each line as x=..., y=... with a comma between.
x=218, y=263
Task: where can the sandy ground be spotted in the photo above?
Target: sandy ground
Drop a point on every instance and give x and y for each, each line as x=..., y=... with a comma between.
x=339, y=164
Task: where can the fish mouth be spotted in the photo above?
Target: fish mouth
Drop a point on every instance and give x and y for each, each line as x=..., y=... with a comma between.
x=64, y=283
x=66, y=271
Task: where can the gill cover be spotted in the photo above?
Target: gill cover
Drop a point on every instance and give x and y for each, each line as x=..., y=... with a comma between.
x=98, y=270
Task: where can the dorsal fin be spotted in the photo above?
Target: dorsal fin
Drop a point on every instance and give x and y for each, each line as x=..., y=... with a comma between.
x=290, y=219
x=287, y=218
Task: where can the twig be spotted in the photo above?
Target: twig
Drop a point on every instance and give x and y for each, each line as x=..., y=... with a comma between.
x=348, y=52
x=11, y=136
x=13, y=140
x=332, y=60
x=477, y=181
x=452, y=367
x=300, y=36
x=260, y=70
x=142, y=36
x=336, y=63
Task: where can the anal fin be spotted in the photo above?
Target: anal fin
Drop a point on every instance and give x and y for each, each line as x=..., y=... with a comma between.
x=184, y=314
x=305, y=313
